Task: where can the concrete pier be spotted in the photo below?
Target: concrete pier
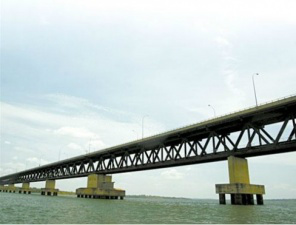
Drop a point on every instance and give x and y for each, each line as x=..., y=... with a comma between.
x=10, y=188
x=240, y=190
x=100, y=187
x=49, y=188
x=25, y=189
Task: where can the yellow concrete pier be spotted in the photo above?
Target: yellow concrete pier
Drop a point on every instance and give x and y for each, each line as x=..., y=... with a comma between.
x=25, y=189
x=239, y=188
x=100, y=186
x=49, y=188
x=10, y=188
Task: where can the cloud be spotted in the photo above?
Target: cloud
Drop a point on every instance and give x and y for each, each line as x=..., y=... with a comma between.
x=37, y=161
x=172, y=174
x=11, y=167
x=77, y=132
x=73, y=102
x=222, y=41
x=97, y=144
x=74, y=146
x=134, y=71
x=288, y=159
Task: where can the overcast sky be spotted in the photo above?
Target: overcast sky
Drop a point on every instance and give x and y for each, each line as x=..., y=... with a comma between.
x=80, y=75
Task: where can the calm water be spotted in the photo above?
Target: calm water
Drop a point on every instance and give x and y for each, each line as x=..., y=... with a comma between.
x=20, y=208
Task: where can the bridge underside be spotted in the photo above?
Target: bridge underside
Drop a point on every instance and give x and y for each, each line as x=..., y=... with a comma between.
x=155, y=160
x=263, y=130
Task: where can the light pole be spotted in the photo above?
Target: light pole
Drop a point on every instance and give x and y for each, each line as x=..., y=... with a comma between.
x=143, y=125
x=255, y=87
x=213, y=110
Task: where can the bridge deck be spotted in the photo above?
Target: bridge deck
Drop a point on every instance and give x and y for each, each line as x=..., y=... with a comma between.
x=255, y=118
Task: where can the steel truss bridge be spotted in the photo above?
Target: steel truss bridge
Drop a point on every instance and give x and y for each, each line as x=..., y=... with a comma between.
x=267, y=129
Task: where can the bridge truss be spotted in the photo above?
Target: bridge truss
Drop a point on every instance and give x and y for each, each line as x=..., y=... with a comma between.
x=268, y=129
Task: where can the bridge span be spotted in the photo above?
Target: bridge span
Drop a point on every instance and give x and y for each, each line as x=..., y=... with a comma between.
x=266, y=129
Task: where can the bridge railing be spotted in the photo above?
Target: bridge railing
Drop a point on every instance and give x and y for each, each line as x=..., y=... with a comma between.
x=227, y=114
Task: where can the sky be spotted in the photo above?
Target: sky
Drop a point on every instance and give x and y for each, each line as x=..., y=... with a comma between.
x=78, y=76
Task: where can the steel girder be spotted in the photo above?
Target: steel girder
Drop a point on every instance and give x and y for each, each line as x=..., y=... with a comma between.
x=244, y=134
x=251, y=140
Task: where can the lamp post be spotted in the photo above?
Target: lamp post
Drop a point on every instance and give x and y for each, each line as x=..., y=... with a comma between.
x=213, y=110
x=255, y=87
x=143, y=125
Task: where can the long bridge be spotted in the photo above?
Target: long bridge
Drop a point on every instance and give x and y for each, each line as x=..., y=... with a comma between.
x=266, y=129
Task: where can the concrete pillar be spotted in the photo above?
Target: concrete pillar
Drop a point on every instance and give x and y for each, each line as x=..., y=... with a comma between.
x=250, y=199
x=100, y=186
x=25, y=188
x=237, y=199
x=49, y=189
x=26, y=185
x=259, y=199
x=239, y=187
x=242, y=199
x=99, y=181
x=11, y=188
x=50, y=184
x=222, y=199
x=238, y=170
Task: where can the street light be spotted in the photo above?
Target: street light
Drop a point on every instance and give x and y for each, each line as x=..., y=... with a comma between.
x=143, y=125
x=213, y=110
x=255, y=87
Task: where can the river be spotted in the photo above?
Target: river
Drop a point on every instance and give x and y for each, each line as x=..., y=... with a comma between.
x=34, y=208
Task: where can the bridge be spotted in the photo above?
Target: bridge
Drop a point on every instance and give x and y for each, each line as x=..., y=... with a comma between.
x=265, y=129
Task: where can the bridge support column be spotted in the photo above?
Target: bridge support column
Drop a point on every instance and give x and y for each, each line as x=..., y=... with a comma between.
x=222, y=199
x=1, y=188
x=240, y=190
x=49, y=188
x=259, y=199
x=100, y=186
x=11, y=188
x=25, y=188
